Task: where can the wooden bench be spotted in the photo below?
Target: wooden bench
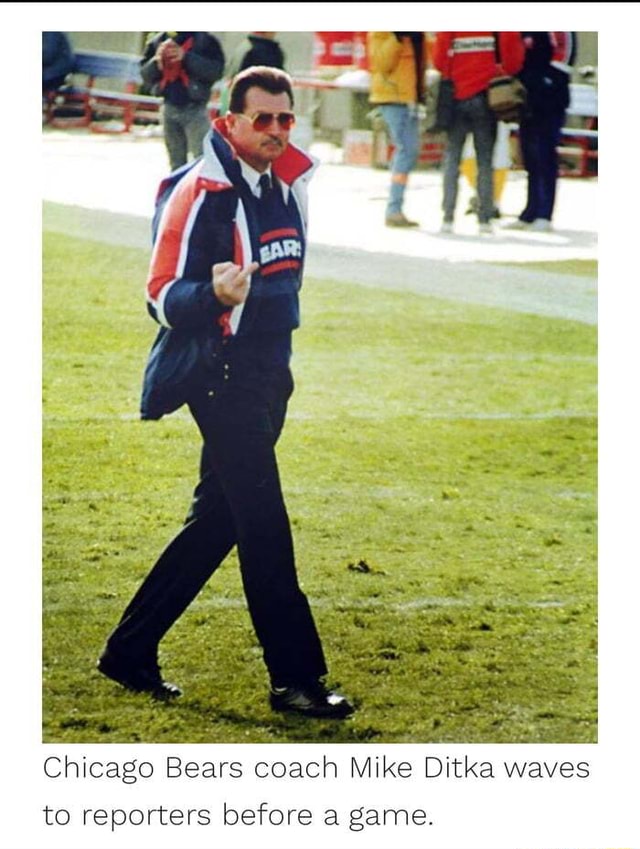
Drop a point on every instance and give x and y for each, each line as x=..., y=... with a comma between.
x=83, y=103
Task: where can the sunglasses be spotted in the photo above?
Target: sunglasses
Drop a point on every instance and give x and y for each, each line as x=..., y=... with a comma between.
x=261, y=121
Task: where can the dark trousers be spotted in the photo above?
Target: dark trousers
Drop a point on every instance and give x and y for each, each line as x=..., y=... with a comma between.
x=184, y=130
x=238, y=501
x=470, y=116
x=539, y=138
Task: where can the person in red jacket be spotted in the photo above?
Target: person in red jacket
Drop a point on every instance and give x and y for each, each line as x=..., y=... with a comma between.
x=471, y=60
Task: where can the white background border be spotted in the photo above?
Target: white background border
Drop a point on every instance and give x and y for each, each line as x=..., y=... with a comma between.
x=595, y=813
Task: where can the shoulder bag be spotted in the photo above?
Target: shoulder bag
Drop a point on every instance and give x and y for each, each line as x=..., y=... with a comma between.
x=506, y=95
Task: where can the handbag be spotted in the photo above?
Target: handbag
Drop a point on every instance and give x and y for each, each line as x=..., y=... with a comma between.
x=506, y=95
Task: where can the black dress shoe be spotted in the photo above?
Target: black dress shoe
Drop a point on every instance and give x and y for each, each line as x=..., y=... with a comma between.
x=141, y=679
x=312, y=699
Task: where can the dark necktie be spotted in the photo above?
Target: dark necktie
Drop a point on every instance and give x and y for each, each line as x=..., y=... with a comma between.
x=265, y=186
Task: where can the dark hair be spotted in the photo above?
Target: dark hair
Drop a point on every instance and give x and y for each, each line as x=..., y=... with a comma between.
x=270, y=79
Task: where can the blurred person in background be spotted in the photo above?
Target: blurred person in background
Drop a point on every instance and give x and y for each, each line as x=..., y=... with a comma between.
x=181, y=67
x=57, y=60
x=258, y=48
x=546, y=74
x=471, y=60
x=397, y=61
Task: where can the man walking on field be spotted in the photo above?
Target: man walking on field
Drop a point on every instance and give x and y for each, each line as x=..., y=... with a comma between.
x=224, y=281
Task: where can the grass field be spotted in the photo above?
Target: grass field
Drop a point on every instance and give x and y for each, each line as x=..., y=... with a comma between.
x=439, y=463
x=582, y=267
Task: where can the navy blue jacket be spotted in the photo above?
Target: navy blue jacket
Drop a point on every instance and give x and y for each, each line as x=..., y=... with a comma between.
x=547, y=85
x=206, y=214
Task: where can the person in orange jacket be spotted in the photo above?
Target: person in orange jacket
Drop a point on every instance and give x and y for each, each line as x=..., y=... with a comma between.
x=397, y=62
x=471, y=60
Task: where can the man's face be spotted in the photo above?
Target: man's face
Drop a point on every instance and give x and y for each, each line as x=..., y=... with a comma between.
x=259, y=148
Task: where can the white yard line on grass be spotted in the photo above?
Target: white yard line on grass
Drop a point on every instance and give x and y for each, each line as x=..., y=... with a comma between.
x=499, y=415
x=364, y=604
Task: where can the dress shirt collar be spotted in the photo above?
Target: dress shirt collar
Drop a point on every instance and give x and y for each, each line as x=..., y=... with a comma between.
x=252, y=177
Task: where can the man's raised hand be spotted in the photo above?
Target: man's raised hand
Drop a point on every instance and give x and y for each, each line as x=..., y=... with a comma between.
x=231, y=282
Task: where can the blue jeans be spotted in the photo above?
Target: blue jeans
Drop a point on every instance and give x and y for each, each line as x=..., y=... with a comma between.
x=539, y=137
x=402, y=122
x=470, y=116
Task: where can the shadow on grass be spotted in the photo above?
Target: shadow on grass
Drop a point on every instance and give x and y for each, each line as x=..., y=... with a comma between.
x=285, y=727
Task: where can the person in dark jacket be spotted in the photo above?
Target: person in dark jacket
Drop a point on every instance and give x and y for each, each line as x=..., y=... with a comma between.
x=258, y=48
x=57, y=60
x=546, y=79
x=224, y=280
x=181, y=67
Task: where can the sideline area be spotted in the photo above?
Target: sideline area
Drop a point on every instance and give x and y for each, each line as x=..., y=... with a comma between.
x=108, y=183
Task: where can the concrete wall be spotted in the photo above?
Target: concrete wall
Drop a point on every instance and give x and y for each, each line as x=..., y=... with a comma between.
x=117, y=42
x=587, y=49
x=298, y=46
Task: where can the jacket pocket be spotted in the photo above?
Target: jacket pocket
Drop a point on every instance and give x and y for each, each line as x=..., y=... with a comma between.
x=179, y=363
